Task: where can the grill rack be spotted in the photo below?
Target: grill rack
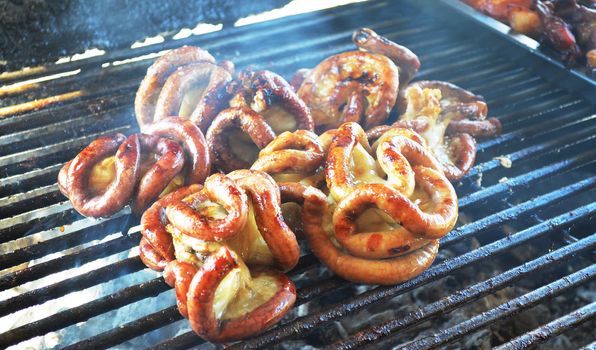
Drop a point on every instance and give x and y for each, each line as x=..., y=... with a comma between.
x=549, y=135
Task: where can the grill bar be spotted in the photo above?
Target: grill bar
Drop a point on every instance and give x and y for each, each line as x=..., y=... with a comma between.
x=183, y=341
x=301, y=46
x=68, y=261
x=467, y=295
x=130, y=330
x=490, y=221
x=38, y=296
x=506, y=310
x=59, y=243
x=84, y=312
x=548, y=147
x=308, y=323
x=545, y=127
x=47, y=152
x=528, y=178
x=552, y=329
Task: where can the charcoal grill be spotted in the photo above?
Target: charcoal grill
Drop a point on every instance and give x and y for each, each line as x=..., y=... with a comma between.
x=527, y=207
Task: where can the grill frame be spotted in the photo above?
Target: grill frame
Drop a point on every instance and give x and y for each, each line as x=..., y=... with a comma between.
x=116, y=106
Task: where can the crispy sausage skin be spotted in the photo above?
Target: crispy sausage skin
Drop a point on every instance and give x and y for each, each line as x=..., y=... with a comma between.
x=361, y=270
x=388, y=206
x=157, y=248
x=115, y=170
x=265, y=196
x=159, y=175
x=219, y=189
x=297, y=151
x=250, y=124
x=184, y=71
x=193, y=140
x=201, y=295
x=364, y=89
x=119, y=192
x=448, y=111
x=202, y=237
x=406, y=61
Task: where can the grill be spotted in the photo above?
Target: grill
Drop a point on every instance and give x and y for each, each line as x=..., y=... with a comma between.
x=66, y=278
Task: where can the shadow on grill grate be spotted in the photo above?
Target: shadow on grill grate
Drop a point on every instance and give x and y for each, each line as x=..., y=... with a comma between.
x=525, y=234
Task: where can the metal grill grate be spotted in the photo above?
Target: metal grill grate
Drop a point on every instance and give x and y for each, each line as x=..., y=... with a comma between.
x=543, y=202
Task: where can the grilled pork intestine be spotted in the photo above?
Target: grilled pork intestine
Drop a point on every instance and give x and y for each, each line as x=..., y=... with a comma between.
x=387, y=206
x=456, y=154
x=116, y=170
x=185, y=82
x=230, y=242
x=357, y=86
x=566, y=25
x=293, y=157
x=268, y=94
x=264, y=105
x=449, y=118
x=352, y=86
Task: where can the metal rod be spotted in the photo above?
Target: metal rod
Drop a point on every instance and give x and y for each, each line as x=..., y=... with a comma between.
x=504, y=310
x=490, y=221
x=28, y=274
x=551, y=329
x=225, y=37
x=129, y=330
x=528, y=178
x=83, y=312
x=465, y=296
x=537, y=128
x=567, y=141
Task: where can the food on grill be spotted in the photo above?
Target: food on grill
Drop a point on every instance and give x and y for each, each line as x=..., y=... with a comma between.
x=193, y=141
x=293, y=157
x=87, y=188
x=558, y=33
x=569, y=26
x=298, y=78
x=359, y=86
x=225, y=301
x=582, y=18
x=384, y=215
x=185, y=82
x=448, y=117
x=351, y=86
x=116, y=170
x=406, y=61
x=156, y=247
x=272, y=97
x=372, y=214
x=230, y=242
x=236, y=136
x=264, y=105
